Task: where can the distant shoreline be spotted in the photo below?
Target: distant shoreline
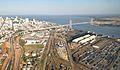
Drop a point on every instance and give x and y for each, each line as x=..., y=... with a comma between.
x=106, y=21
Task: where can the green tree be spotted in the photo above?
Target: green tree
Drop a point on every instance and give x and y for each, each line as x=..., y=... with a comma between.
x=22, y=42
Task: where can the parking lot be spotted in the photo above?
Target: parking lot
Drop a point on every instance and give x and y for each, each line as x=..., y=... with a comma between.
x=107, y=56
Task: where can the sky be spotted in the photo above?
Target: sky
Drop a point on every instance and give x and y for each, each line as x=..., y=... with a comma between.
x=59, y=7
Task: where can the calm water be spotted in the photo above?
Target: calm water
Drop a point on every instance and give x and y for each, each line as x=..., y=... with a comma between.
x=107, y=30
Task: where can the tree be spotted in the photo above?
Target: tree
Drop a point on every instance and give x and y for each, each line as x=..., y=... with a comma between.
x=22, y=42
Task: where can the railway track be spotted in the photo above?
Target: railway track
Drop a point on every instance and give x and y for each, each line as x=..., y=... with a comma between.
x=51, y=60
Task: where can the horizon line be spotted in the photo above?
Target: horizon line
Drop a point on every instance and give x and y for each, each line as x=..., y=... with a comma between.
x=59, y=14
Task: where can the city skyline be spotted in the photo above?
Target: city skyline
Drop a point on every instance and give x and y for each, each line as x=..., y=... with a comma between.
x=61, y=7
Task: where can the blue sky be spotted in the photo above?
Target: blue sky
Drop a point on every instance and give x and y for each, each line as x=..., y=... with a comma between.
x=59, y=7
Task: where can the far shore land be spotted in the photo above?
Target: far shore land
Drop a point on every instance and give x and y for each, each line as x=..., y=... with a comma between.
x=106, y=21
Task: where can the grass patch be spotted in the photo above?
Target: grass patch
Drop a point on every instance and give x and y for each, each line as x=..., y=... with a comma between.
x=33, y=46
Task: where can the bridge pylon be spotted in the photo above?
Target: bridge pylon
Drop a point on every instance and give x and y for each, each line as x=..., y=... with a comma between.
x=70, y=24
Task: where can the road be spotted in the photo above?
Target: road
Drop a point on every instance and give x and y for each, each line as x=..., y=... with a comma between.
x=12, y=48
x=18, y=54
